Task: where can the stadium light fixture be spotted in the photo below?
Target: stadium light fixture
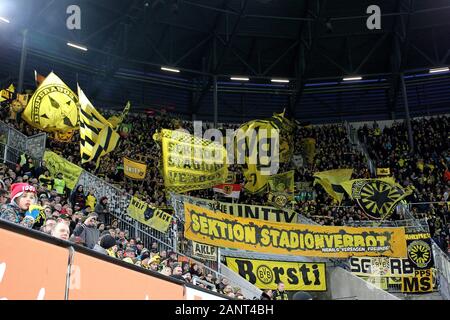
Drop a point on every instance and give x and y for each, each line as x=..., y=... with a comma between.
x=437, y=70
x=2, y=19
x=280, y=80
x=77, y=46
x=170, y=69
x=355, y=78
x=239, y=78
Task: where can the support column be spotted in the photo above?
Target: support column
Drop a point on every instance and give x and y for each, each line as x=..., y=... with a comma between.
x=408, y=119
x=23, y=61
x=215, y=100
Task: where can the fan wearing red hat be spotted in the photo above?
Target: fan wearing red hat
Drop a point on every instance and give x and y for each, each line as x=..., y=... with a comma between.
x=22, y=196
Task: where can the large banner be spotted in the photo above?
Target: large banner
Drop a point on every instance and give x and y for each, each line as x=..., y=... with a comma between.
x=134, y=169
x=221, y=230
x=376, y=197
x=153, y=217
x=413, y=274
x=191, y=163
x=235, y=209
x=57, y=164
x=264, y=274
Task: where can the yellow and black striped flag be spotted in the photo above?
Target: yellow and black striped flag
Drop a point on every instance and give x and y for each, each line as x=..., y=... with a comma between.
x=97, y=136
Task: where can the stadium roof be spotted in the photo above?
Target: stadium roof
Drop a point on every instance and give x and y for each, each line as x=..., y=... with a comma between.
x=313, y=43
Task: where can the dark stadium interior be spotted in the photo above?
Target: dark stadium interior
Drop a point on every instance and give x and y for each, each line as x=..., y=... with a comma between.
x=312, y=43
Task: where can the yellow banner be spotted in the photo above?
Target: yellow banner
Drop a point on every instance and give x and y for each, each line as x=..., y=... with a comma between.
x=421, y=282
x=221, y=230
x=57, y=164
x=191, y=163
x=53, y=107
x=376, y=197
x=266, y=274
x=153, y=217
x=383, y=171
x=63, y=136
x=134, y=169
x=263, y=213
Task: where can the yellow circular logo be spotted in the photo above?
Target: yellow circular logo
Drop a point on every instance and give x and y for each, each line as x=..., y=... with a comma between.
x=419, y=252
x=264, y=274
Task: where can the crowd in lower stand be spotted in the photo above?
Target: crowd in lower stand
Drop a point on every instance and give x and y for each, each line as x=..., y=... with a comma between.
x=79, y=217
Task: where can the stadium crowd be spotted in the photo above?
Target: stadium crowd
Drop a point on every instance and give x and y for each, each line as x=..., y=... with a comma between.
x=79, y=217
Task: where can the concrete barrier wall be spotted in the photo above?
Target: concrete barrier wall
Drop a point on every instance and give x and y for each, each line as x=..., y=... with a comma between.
x=342, y=285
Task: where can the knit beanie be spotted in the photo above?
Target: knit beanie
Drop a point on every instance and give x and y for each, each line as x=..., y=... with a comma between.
x=107, y=242
x=18, y=189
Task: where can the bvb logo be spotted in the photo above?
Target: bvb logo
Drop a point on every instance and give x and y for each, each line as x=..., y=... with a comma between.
x=376, y=198
x=420, y=253
x=55, y=106
x=264, y=274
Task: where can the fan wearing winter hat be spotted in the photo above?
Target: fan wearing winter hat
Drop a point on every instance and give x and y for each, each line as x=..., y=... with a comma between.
x=23, y=196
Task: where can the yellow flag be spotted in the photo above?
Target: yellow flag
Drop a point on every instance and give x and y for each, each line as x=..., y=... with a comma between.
x=134, y=169
x=331, y=181
x=281, y=188
x=97, y=137
x=191, y=163
x=57, y=164
x=278, y=131
x=116, y=121
x=53, y=107
x=376, y=197
x=7, y=94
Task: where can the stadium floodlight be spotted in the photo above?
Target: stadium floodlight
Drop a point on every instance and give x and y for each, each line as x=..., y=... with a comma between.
x=437, y=70
x=77, y=46
x=354, y=78
x=170, y=69
x=2, y=19
x=280, y=80
x=239, y=78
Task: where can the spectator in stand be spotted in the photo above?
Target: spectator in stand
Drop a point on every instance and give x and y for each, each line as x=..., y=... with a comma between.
x=61, y=231
x=122, y=241
x=60, y=184
x=22, y=196
x=41, y=169
x=178, y=273
x=266, y=295
x=46, y=180
x=107, y=245
x=280, y=294
x=102, y=209
x=49, y=225
x=78, y=197
x=91, y=201
x=88, y=231
x=3, y=197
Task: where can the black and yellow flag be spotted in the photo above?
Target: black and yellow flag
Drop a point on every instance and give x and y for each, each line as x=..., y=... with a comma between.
x=53, y=107
x=281, y=188
x=7, y=94
x=97, y=136
x=376, y=197
x=191, y=163
x=308, y=149
x=331, y=181
x=116, y=121
x=257, y=167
